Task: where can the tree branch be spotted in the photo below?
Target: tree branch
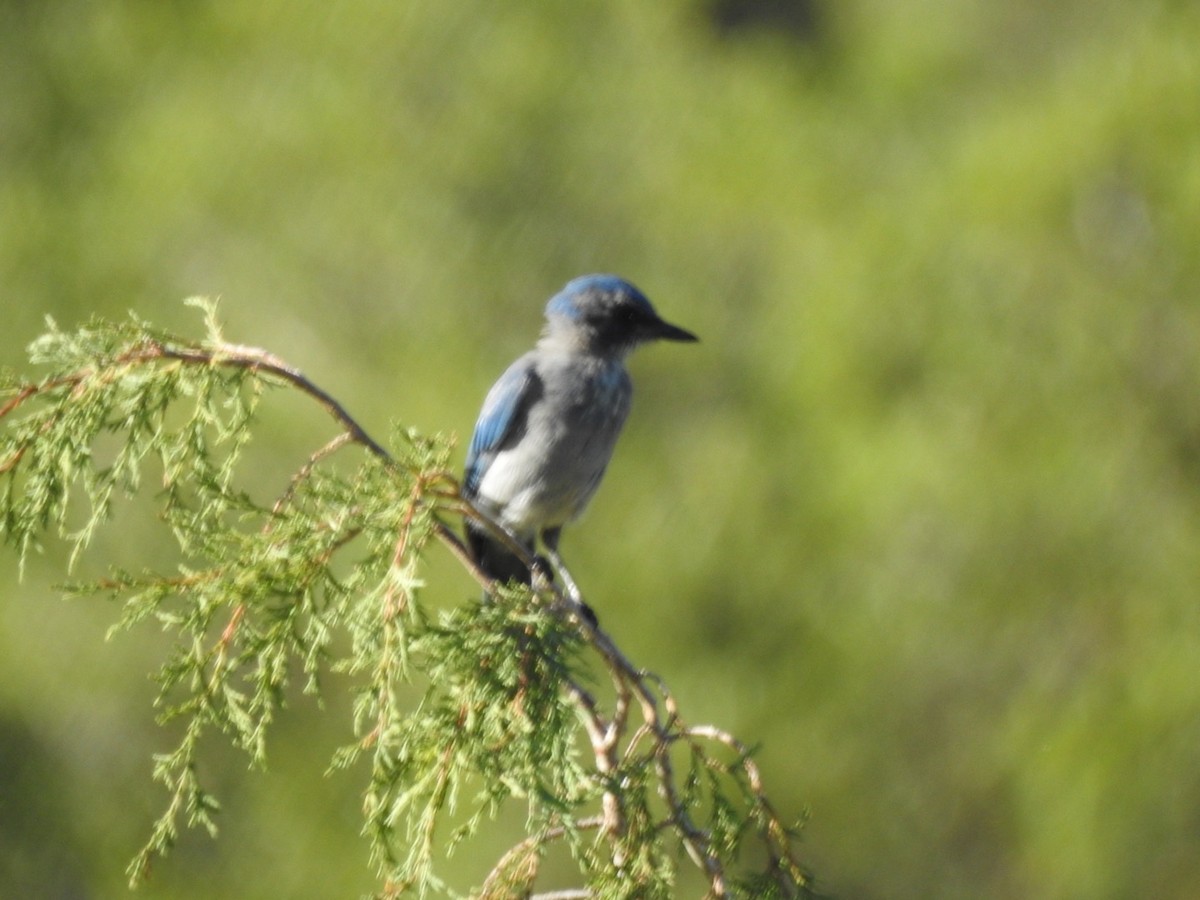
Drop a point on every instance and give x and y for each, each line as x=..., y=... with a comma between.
x=617, y=751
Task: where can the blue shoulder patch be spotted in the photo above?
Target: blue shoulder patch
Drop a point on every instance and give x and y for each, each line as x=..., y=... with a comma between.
x=501, y=420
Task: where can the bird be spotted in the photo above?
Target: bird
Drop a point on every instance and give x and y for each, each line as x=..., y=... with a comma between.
x=548, y=426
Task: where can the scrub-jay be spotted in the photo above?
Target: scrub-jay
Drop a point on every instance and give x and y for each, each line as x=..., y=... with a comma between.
x=548, y=426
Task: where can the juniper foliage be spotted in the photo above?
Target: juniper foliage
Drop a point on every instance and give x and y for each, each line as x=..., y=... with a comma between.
x=457, y=714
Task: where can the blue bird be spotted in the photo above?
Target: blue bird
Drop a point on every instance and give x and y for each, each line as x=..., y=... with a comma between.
x=548, y=425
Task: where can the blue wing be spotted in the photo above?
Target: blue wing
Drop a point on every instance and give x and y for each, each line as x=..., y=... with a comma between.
x=502, y=420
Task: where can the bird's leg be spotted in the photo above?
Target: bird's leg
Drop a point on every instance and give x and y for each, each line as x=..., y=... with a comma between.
x=568, y=582
x=550, y=538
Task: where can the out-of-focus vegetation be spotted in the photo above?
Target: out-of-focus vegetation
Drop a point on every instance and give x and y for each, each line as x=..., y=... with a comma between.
x=922, y=513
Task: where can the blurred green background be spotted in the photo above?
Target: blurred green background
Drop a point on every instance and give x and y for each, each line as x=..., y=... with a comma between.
x=921, y=514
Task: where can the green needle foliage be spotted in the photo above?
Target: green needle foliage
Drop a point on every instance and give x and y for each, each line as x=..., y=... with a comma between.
x=458, y=714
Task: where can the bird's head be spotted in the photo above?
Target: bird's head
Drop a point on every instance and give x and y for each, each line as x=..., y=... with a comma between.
x=607, y=314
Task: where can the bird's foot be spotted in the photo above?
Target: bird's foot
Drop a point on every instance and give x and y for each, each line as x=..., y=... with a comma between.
x=542, y=570
x=586, y=612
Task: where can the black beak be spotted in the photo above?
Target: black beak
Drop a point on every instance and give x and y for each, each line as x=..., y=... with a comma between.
x=665, y=331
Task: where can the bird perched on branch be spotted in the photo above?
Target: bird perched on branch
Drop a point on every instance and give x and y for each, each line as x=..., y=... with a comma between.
x=548, y=425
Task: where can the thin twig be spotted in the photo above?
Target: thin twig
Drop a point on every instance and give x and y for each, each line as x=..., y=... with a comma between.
x=336, y=443
x=256, y=359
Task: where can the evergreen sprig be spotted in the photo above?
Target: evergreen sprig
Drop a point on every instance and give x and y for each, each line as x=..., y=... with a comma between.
x=459, y=713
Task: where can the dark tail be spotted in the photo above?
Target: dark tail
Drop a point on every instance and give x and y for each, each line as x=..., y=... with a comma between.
x=496, y=560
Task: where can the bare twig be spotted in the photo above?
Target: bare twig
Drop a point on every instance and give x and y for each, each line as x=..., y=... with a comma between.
x=335, y=444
